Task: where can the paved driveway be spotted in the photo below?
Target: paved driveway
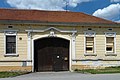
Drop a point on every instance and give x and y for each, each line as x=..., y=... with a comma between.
x=65, y=76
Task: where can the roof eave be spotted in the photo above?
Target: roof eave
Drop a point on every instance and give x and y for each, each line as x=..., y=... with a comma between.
x=59, y=23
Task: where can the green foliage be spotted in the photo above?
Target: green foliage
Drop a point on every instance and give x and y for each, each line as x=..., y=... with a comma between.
x=11, y=74
x=100, y=71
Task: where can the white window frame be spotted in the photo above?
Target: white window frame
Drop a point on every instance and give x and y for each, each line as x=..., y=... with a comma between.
x=10, y=33
x=90, y=34
x=110, y=34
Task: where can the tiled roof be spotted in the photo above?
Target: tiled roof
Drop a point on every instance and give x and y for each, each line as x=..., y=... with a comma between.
x=49, y=16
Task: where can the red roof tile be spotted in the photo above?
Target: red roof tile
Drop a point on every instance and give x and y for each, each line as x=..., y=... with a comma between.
x=49, y=16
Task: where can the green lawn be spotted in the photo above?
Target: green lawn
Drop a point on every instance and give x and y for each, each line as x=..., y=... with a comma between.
x=107, y=70
x=11, y=74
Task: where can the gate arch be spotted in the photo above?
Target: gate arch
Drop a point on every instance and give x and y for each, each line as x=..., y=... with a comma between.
x=51, y=54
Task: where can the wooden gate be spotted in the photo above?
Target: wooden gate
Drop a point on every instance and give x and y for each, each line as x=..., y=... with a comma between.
x=51, y=54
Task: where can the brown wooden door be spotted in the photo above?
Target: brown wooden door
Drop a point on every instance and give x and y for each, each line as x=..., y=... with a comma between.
x=51, y=54
x=57, y=62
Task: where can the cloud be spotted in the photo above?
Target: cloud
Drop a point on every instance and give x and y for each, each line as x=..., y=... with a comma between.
x=115, y=0
x=112, y=12
x=118, y=21
x=44, y=4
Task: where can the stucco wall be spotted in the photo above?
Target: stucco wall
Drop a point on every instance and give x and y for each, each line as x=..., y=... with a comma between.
x=80, y=61
x=99, y=60
x=100, y=43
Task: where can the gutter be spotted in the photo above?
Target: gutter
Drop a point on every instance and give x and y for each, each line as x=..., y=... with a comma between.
x=58, y=23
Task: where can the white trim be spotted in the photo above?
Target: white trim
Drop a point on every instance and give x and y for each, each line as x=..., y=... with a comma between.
x=70, y=55
x=10, y=33
x=73, y=49
x=29, y=46
x=10, y=30
x=32, y=55
x=90, y=34
x=115, y=43
x=4, y=43
x=11, y=54
x=95, y=44
x=84, y=44
x=110, y=34
x=72, y=42
x=52, y=28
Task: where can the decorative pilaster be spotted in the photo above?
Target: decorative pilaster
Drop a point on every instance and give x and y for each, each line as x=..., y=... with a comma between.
x=29, y=46
x=73, y=45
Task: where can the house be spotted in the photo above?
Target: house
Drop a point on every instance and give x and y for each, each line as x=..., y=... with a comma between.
x=36, y=40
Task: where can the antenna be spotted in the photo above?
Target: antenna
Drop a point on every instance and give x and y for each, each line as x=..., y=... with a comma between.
x=67, y=3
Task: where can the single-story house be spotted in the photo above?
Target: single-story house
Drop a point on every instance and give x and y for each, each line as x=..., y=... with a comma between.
x=36, y=40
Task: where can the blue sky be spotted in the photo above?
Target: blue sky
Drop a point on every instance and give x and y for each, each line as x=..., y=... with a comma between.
x=107, y=9
x=91, y=7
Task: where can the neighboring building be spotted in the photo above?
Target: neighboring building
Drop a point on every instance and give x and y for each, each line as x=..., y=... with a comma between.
x=34, y=40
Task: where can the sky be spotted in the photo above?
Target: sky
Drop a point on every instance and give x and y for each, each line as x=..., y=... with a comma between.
x=107, y=9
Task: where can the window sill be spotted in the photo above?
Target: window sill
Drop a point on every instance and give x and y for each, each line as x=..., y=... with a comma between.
x=90, y=54
x=110, y=54
x=12, y=55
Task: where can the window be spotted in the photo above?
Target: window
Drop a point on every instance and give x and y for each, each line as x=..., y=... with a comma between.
x=10, y=26
x=110, y=29
x=10, y=44
x=89, y=43
x=110, y=42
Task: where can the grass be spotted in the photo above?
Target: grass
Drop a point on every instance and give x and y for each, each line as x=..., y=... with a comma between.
x=107, y=70
x=11, y=74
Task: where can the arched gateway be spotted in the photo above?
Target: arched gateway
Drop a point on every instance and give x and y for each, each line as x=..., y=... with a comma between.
x=51, y=54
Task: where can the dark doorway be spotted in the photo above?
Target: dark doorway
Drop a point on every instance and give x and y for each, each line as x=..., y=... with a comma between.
x=51, y=54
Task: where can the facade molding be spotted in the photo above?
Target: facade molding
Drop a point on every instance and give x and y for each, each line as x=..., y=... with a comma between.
x=29, y=46
x=73, y=43
x=15, y=60
x=52, y=28
x=110, y=34
x=10, y=33
x=10, y=30
x=90, y=34
x=45, y=36
x=59, y=23
x=52, y=34
x=96, y=59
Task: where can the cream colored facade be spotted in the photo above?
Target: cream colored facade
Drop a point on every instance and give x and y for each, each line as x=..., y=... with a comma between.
x=79, y=59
